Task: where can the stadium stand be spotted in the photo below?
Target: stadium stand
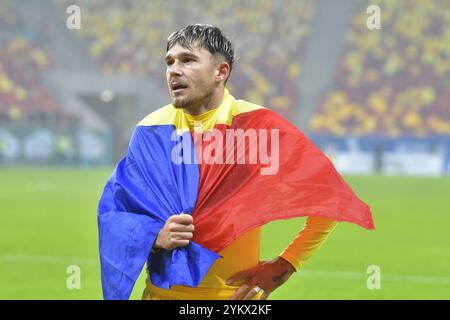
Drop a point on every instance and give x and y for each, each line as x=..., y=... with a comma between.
x=21, y=91
x=392, y=83
x=129, y=37
x=389, y=83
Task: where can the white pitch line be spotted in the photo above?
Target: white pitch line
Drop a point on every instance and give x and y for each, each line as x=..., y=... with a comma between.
x=328, y=274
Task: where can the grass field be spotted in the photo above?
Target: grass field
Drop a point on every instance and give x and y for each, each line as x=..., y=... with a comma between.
x=48, y=222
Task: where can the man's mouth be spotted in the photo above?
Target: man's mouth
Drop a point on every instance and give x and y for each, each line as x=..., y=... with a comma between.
x=177, y=87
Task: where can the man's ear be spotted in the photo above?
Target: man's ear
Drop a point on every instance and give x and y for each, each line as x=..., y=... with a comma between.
x=222, y=71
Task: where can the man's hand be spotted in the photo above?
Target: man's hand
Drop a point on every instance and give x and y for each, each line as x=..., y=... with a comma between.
x=268, y=276
x=177, y=232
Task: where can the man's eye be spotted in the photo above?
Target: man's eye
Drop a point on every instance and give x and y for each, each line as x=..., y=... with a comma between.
x=169, y=62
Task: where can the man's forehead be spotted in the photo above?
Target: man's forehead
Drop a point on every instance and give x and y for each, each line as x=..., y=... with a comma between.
x=178, y=49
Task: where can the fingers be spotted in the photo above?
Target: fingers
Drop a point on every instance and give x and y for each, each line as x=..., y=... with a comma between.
x=185, y=219
x=240, y=291
x=181, y=235
x=176, y=227
x=178, y=243
x=180, y=223
x=179, y=239
x=252, y=292
x=265, y=295
x=248, y=292
x=243, y=275
x=177, y=232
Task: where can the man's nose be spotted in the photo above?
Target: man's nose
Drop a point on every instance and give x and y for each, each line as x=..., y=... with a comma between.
x=174, y=69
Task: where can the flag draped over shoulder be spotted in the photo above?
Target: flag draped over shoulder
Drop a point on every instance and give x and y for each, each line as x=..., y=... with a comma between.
x=213, y=176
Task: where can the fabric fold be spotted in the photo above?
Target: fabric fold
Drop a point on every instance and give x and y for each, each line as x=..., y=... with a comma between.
x=145, y=189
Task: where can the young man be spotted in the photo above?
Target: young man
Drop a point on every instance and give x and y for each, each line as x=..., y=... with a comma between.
x=232, y=198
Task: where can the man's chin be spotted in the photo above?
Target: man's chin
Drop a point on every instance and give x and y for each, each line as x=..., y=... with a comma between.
x=180, y=103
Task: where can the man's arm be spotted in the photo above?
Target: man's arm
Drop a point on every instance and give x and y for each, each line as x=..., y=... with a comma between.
x=269, y=275
x=310, y=238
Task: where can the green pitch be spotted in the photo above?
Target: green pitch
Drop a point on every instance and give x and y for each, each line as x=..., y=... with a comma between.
x=48, y=222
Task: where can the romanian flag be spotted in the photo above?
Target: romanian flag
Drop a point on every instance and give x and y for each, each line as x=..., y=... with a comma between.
x=253, y=167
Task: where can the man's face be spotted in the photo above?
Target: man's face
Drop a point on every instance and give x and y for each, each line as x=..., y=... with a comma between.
x=190, y=75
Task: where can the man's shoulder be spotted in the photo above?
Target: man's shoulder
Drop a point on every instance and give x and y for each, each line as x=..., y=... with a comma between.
x=241, y=106
x=163, y=115
x=256, y=112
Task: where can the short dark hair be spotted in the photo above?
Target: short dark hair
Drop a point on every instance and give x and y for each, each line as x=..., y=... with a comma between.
x=205, y=36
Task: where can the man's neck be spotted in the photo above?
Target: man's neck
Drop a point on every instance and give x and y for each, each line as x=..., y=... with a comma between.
x=212, y=102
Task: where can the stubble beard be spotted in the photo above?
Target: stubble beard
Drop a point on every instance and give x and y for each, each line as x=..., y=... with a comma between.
x=181, y=103
x=190, y=102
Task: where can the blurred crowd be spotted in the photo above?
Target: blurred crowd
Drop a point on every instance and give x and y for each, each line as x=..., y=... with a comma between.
x=33, y=127
x=129, y=37
x=393, y=81
x=21, y=89
x=51, y=138
x=8, y=16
